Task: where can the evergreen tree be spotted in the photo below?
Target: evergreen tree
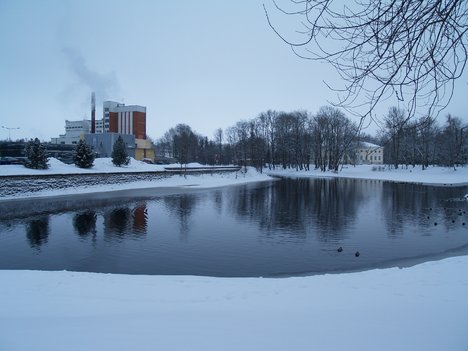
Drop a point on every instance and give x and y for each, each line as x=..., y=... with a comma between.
x=84, y=155
x=119, y=153
x=36, y=155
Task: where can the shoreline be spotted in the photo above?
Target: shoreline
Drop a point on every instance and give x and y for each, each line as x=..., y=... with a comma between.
x=75, y=311
x=176, y=182
x=432, y=176
x=170, y=184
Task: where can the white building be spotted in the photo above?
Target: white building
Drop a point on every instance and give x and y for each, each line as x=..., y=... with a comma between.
x=99, y=124
x=107, y=108
x=74, y=131
x=369, y=154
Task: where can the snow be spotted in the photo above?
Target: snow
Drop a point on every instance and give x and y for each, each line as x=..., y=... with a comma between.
x=418, y=308
x=369, y=145
x=431, y=175
x=101, y=165
x=104, y=165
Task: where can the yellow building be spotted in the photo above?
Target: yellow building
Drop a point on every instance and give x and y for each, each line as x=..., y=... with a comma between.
x=144, y=149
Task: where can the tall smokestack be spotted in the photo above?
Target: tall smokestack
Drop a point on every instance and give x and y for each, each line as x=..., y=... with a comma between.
x=93, y=113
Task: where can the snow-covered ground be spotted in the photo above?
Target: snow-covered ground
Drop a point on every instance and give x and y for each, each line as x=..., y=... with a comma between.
x=101, y=165
x=104, y=165
x=419, y=308
x=431, y=175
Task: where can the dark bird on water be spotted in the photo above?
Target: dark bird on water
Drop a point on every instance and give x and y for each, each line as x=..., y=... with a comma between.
x=357, y=254
x=340, y=249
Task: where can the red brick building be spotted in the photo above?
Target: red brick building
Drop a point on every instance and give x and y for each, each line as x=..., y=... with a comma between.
x=128, y=120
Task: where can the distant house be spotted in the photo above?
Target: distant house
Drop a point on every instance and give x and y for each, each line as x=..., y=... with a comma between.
x=369, y=154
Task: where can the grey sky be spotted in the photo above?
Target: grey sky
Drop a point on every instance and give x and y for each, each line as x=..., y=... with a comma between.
x=205, y=63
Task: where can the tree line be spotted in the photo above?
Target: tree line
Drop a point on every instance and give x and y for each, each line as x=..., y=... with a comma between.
x=325, y=140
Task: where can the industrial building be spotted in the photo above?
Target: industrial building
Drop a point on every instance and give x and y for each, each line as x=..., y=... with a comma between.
x=74, y=131
x=117, y=119
x=103, y=143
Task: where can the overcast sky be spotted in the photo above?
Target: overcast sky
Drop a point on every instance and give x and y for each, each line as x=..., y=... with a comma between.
x=206, y=63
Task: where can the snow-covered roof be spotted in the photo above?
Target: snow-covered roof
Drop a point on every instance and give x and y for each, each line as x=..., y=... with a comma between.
x=369, y=145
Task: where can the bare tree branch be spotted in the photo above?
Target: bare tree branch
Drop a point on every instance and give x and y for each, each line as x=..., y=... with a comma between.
x=412, y=50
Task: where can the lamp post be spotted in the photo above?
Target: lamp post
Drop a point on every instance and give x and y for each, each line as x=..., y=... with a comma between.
x=9, y=131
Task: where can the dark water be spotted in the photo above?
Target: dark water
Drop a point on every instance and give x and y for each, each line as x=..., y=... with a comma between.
x=284, y=227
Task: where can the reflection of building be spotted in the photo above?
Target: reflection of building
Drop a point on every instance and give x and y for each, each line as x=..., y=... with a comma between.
x=74, y=131
x=140, y=218
x=123, y=220
x=370, y=154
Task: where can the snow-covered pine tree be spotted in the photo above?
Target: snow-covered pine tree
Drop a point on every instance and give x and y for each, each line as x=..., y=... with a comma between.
x=84, y=155
x=119, y=153
x=35, y=154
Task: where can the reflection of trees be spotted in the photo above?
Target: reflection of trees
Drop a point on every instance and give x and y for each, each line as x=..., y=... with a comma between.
x=123, y=220
x=37, y=231
x=411, y=204
x=218, y=201
x=335, y=203
x=301, y=206
x=119, y=220
x=85, y=223
x=182, y=207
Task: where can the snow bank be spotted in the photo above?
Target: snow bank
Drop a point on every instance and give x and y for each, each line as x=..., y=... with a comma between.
x=431, y=175
x=200, y=181
x=419, y=308
x=101, y=165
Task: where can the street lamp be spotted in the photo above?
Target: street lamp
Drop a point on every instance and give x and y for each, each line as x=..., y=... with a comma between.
x=9, y=131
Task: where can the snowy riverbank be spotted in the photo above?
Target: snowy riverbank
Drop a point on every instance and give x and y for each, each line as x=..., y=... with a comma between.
x=432, y=175
x=418, y=308
x=161, y=178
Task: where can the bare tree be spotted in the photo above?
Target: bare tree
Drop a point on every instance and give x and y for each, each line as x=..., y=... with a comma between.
x=453, y=140
x=218, y=136
x=410, y=49
x=267, y=122
x=394, y=124
x=427, y=134
x=185, y=143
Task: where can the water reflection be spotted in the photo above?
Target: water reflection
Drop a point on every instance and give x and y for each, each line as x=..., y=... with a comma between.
x=417, y=205
x=181, y=207
x=124, y=220
x=298, y=207
x=85, y=223
x=37, y=231
x=140, y=219
x=282, y=227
